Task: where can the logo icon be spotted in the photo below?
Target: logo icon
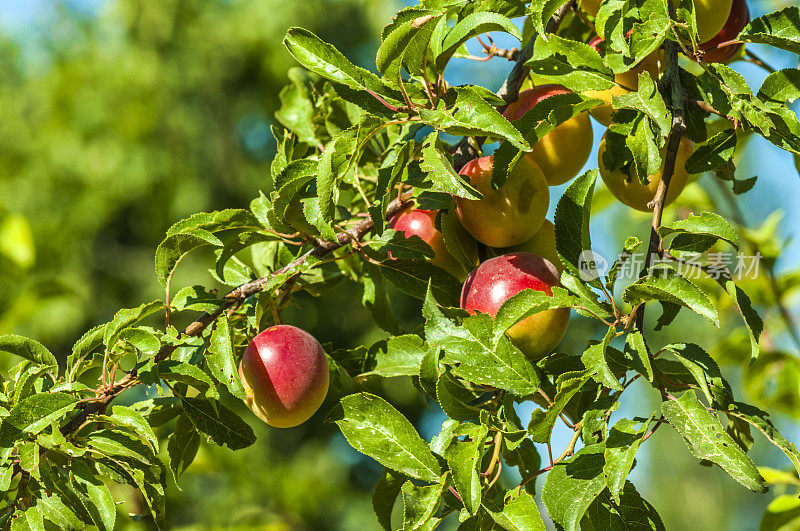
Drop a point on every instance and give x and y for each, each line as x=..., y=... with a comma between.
x=591, y=266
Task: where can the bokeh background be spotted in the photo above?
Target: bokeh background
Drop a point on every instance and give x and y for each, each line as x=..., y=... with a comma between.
x=120, y=117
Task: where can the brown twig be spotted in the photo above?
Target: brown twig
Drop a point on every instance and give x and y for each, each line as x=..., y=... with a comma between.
x=672, y=81
x=236, y=296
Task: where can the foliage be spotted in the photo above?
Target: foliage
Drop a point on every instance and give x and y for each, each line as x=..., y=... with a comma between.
x=354, y=147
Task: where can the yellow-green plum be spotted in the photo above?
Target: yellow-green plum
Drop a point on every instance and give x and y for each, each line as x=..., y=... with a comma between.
x=498, y=279
x=737, y=20
x=422, y=223
x=711, y=16
x=542, y=243
x=507, y=216
x=562, y=152
x=590, y=6
x=285, y=375
x=629, y=190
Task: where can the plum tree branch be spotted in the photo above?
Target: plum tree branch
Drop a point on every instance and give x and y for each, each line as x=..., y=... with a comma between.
x=671, y=81
x=322, y=248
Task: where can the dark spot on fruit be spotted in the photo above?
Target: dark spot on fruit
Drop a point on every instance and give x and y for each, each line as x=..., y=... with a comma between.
x=526, y=191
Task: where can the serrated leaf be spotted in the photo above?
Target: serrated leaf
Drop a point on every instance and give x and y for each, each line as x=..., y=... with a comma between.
x=220, y=360
x=779, y=29
x=647, y=100
x=222, y=425
x=419, y=504
x=33, y=414
x=570, y=63
x=572, y=222
x=130, y=418
x=572, y=485
x=413, y=276
x=375, y=428
x=622, y=444
x=441, y=172
x=471, y=26
x=480, y=357
x=384, y=496
x=594, y=359
x=182, y=445
x=781, y=86
x=463, y=459
x=717, y=151
x=664, y=284
x=706, y=439
x=26, y=348
x=94, y=495
x=519, y=514
x=542, y=422
x=54, y=510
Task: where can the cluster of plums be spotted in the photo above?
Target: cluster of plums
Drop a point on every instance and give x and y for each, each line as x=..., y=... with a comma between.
x=284, y=370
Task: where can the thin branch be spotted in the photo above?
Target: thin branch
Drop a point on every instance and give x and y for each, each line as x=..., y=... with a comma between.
x=671, y=80
x=756, y=60
x=236, y=296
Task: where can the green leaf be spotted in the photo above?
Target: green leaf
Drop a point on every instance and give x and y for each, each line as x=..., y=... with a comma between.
x=419, y=503
x=93, y=495
x=631, y=512
x=717, y=151
x=752, y=320
x=182, y=445
x=33, y=414
x=573, y=64
x=128, y=317
x=130, y=418
x=454, y=398
x=594, y=358
x=54, y=510
x=413, y=276
x=706, y=225
x=325, y=60
x=636, y=349
x=521, y=305
x=781, y=86
x=222, y=425
x=647, y=99
x=664, y=284
x=572, y=222
x=706, y=439
x=572, y=485
x=519, y=514
x=760, y=420
x=471, y=26
x=441, y=172
x=398, y=34
x=464, y=459
x=480, y=357
x=398, y=356
x=621, y=447
x=220, y=359
x=542, y=423
x=27, y=348
x=384, y=496
x=142, y=340
x=375, y=428
x=780, y=29
x=704, y=370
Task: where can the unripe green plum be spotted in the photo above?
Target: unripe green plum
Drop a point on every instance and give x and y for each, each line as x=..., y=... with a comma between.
x=507, y=216
x=630, y=191
x=562, y=152
x=711, y=16
x=422, y=223
x=285, y=375
x=498, y=279
x=542, y=243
